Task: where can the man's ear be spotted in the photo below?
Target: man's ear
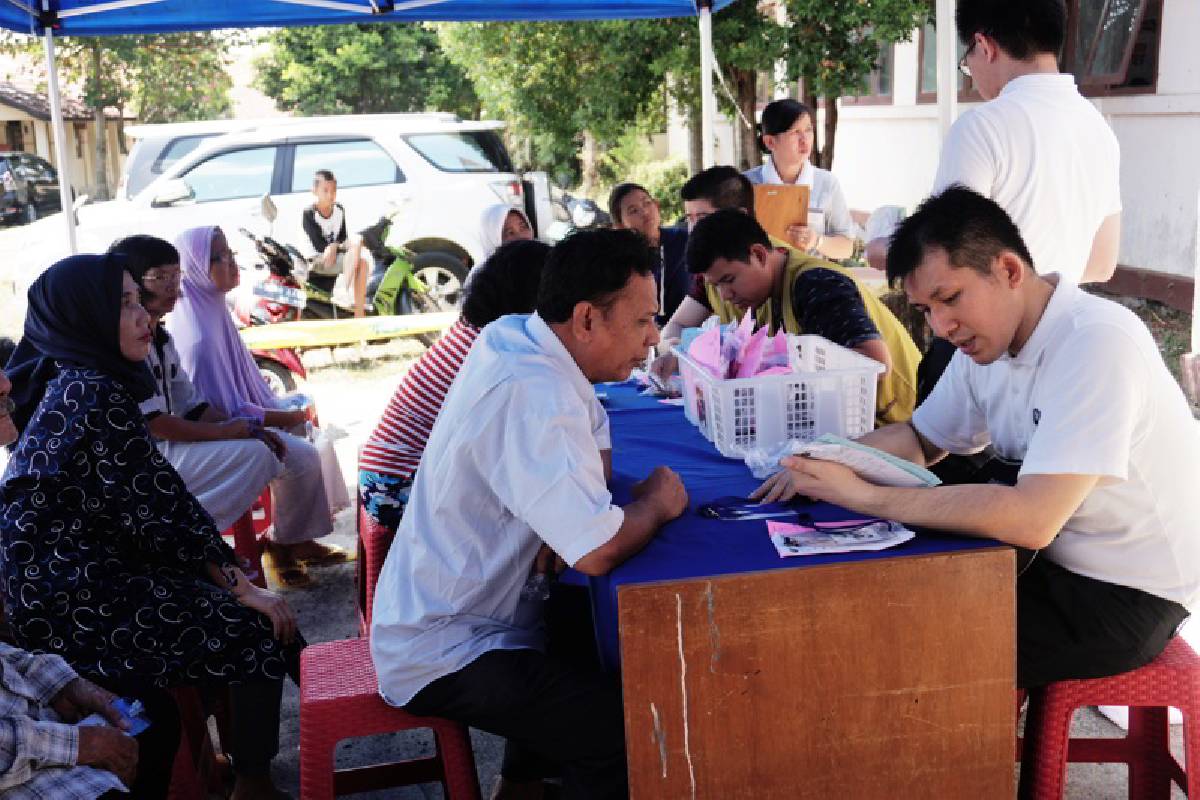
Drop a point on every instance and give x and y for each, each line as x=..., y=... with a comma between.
x=583, y=320
x=1012, y=270
x=760, y=252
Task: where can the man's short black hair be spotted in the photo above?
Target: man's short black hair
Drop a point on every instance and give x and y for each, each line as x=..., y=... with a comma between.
x=143, y=253
x=507, y=283
x=1022, y=28
x=323, y=175
x=723, y=186
x=726, y=234
x=619, y=193
x=972, y=229
x=590, y=266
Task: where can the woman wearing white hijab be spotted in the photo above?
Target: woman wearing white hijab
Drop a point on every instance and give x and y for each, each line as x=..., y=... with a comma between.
x=501, y=224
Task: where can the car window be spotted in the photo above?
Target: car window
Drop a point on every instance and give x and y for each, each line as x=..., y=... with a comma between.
x=228, y=176
x=469, y=151
x=27, y=168
x=360, y=162
x=175, y=150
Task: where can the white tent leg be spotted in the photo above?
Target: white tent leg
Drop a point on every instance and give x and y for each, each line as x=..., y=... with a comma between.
x=947, y=67
x=60, y=143
x=708, y=100
x=1190, y=362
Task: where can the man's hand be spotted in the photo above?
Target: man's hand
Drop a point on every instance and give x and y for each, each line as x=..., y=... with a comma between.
x=81, y=697
x=825, y=480
x=108, y=748
x=664, y=367
x=776, y=488
x=665, y=490
x=547, y=562
x=330, y=255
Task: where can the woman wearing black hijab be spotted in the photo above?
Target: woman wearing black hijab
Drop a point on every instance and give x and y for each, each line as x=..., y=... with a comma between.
x=108, y=561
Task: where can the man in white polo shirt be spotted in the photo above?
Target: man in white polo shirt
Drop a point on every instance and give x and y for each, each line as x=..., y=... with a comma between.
x=1037, y=147
x=1072, y=387
x=518, y=458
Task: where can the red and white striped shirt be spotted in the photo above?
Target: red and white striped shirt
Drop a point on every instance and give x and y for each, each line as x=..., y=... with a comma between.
x=396, y=445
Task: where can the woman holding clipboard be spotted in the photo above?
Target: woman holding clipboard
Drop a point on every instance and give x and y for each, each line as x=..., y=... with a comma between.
x=786, y=133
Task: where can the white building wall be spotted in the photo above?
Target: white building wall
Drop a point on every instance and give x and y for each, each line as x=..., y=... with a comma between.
x=888, y=154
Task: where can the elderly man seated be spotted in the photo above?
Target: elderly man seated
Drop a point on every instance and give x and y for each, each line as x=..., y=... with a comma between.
x=518, y=460
x=1072, y=391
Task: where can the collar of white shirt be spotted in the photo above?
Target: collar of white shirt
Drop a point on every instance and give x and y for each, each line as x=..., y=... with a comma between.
x=548, y=342
x=805, y=178
x=1040, y=80
x=1059, y=306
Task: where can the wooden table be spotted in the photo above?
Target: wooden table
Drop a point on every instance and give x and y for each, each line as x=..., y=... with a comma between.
x=877, y=675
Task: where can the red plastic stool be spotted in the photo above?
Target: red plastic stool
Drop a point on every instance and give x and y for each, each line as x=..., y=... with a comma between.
x=374, y=541
x=261, y=511
x=196, y=772
x=247, y=546
x=1172, y=679
x=339, y=699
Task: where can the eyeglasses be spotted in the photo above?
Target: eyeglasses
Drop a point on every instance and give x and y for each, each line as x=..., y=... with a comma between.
x=162, y=278
x=962, y=62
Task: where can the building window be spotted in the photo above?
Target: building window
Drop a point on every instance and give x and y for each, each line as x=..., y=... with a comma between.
x=1112, y=45
x=877, y=88
x=80, y=134
x=927, y=64
x=1111, y=48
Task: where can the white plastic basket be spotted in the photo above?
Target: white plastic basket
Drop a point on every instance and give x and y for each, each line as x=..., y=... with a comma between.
x=830, y=390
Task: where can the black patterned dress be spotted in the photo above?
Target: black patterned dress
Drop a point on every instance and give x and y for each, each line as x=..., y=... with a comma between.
x=105, y=551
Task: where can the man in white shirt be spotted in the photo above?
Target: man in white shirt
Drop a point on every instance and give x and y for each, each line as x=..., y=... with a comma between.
x=519, y=458
x=1038, y=148
x=1074, y=388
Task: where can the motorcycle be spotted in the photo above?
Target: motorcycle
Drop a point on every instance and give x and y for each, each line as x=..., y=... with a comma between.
x=278, y=297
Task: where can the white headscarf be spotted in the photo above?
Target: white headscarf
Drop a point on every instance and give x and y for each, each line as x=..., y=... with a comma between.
x=492, y=226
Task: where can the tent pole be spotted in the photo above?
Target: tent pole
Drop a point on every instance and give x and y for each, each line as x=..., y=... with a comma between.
x=60, y=143
x=947, y=68
x=708, y=101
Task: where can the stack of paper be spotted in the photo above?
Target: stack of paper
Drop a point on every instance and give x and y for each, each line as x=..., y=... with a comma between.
x=871, y=464
x=791, y=539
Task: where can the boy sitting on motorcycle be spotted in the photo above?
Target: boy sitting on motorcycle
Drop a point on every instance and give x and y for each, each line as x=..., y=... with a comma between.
x=337, y=254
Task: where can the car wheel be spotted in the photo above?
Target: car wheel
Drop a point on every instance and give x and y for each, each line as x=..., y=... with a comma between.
x=31, y=213
x=278, y=377
x=444, y=275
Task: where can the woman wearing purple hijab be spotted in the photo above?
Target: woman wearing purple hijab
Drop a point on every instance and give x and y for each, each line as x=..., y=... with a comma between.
x=224, y=372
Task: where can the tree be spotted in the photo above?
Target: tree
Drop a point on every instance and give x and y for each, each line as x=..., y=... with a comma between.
x=834, y=46
x=363, y=69
x=177, y=77
x=572, y=87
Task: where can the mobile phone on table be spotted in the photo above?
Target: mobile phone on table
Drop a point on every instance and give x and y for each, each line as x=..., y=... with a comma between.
x=743, y=508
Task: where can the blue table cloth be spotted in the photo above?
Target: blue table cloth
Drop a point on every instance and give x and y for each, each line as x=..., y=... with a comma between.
x=647, y=433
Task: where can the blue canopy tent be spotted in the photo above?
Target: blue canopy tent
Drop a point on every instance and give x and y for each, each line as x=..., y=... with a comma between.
x=55, y=18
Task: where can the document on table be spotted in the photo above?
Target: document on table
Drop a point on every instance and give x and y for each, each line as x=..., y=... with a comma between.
x=871, y=464
x=791, y=539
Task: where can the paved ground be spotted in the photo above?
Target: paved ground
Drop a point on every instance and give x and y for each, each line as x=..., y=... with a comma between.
x=350, y=396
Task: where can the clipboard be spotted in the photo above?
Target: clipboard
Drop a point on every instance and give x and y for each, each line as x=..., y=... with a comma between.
x=777, y=206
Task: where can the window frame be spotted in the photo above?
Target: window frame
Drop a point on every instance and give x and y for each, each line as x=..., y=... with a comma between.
x=1109, y=85
x=288, y=179
x=272, y=183
x=967, y=93
x=876, y=97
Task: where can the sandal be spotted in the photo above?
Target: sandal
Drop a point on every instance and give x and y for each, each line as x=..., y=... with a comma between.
x=328, y=555
x=289, y=574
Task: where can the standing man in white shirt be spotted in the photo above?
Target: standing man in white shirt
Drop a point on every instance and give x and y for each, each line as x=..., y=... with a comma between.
x=1037, y=147
x=518, y=460
x=1072, y=387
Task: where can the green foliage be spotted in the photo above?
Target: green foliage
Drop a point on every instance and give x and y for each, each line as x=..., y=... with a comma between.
x=632, y=160
x=553, y=81
x=363, y=69
x=834, y=44
x=163, y=77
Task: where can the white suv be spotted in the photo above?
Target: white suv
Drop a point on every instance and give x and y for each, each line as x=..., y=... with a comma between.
x=439, y=173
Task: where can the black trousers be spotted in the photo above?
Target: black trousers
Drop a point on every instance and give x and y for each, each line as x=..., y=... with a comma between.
x=559, y=712
x=1070, y=626
x=157, y=744
x=254, y=716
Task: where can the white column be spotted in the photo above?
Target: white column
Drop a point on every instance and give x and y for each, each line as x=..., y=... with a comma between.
x=60, y=143
x=708, y=100
x=947, y=67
